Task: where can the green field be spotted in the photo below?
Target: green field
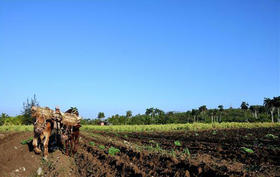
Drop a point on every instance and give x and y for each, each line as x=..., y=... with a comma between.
x=5, y=128
x=166, y=127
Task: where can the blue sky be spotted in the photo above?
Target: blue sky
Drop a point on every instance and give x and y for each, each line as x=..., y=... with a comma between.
x=113, y=56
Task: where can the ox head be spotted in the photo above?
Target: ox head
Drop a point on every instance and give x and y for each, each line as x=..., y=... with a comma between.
x=40, y=121
x=34, y=111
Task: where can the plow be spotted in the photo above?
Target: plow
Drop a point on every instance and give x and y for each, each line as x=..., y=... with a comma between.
x=65, y=124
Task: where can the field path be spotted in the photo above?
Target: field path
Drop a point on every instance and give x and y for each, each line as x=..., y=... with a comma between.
x=15, y=158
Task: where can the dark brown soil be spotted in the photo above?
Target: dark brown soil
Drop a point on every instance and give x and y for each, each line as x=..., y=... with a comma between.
x=221, y=149
x=212, y=153
x=15, y=159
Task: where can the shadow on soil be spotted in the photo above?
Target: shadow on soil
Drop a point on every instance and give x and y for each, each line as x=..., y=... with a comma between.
x=54, y=144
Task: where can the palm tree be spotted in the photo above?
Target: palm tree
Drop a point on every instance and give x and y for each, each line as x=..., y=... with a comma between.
x=100, y=115
x=255, y=110
x=158, y=112
x=269, y=105
x=277, y=105
x=194, y=114
x=211, y=113
x=149, y=111
x=159, y=115
x=221, y=109
x=244, y=106
x=202, y=109
x=128, y=114
x=215, y=111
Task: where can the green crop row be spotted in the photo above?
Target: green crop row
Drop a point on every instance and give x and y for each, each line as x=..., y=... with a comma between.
x=172, y=127
x=166, y=127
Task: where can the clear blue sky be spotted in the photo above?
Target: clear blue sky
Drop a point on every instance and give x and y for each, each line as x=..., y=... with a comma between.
x=113, y=56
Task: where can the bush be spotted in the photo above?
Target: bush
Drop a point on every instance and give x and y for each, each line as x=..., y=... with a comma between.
x=13, y=120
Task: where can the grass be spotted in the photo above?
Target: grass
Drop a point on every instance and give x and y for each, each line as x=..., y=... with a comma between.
x=151, y=128
x=17, y=128
x=175, y=127
x=23, y=142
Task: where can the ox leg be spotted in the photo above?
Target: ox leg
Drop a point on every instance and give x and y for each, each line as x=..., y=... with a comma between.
x=46, y=143
x=76, y=142
x=67, y=142
x=71, y=144
x=63, y=141
x=64, y=145
x=35, y=145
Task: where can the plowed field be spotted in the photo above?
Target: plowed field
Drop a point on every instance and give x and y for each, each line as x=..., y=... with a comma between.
x=229, y=152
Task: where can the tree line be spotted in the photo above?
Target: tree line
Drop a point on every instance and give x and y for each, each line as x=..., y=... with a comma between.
x=245, y=113
x=269, y=111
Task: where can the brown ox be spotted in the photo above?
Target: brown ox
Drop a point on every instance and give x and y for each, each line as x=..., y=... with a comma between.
x=42, y=128
x=70, y=134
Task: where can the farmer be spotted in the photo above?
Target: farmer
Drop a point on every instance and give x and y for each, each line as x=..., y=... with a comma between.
x=57, y=117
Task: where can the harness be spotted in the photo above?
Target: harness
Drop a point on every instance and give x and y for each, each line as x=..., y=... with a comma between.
x=64, y=122
x=43, y=125
x=67, y=130
x=45, y=114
